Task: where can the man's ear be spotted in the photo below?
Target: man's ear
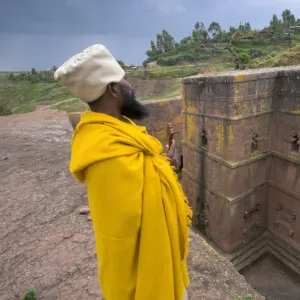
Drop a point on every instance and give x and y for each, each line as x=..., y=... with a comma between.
x=112, y=89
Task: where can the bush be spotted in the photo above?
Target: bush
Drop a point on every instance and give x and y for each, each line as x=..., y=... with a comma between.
x=4, y=110
x=10, y=76
x=237, y=50
x=254, y=53
x=30, y=294
x=147, y=61
x=254, y=63
x=271, y=55
x=33, y=76
x=175, y=60
x=245, y=57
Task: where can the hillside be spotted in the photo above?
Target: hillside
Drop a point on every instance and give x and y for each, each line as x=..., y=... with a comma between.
x=286, y=58
x=239, y=44
x=155, y=83
x=24, y=96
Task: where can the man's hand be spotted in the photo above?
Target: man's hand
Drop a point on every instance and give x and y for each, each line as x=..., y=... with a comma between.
x=171, y=147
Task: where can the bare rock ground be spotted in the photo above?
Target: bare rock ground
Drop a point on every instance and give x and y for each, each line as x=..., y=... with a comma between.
x=45, y=243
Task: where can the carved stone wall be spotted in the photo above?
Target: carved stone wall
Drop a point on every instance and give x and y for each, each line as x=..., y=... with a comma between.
x=241, y=159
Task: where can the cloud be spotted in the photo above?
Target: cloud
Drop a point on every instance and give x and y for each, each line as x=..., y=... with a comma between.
x=168, y=6
x=73, y=17
x=41, y=33
x=23, y=52
x=282, y=4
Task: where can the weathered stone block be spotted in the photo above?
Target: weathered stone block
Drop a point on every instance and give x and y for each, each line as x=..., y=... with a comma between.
x=251, y=126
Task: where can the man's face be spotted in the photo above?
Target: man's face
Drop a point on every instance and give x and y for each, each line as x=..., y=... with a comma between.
x=130, y=106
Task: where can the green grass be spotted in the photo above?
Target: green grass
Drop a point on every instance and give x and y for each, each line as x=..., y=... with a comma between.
x=26, y=108
x=70, y=106
x=3, y=78
x=179, y=71
x=173, y=91
x=286, y=58
x=166, y=72
x=248, y=297
x=23, y=97
x=175, y=88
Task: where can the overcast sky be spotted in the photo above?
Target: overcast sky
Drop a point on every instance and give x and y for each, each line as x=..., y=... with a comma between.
x=43, y=33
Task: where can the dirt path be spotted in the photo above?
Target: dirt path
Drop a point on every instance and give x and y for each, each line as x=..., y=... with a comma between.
x=64, y=101
x=48, y=106
x=44, y=242
x=41, y=108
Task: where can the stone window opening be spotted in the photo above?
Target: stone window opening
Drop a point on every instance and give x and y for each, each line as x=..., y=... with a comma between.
x=254, y=143
x=204, y=139
x=295, y=143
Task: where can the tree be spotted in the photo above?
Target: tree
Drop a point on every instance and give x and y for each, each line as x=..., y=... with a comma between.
x=214, y=29
x=33, y=71
x=242, y=28
x=168, y=42
x=159, y=43
x=209, y=42
x=223, y=35
x=237, y=35
x=199, y=34
x=121, y=63
x=199, y=26
x=275, y=24
x=153, y=53
x=10, y=76
x=153, y=48
x=186, y=41
x=288, y=19
x=247, y=27
x=232, y=30
x=165, y=43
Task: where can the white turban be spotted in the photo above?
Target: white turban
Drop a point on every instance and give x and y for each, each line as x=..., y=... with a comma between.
x=88, y=73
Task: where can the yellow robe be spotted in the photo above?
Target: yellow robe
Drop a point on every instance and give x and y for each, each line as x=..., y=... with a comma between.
x=139, y=212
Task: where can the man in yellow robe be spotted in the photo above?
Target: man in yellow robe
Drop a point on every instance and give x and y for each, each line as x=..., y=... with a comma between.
x=139, y=212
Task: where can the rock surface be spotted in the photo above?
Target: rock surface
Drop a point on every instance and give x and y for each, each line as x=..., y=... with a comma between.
x=84, y=210
x=45, y=244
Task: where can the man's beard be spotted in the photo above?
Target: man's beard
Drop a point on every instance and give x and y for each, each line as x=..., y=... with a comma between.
x=132, y=108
